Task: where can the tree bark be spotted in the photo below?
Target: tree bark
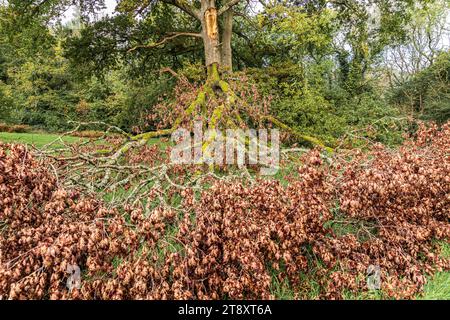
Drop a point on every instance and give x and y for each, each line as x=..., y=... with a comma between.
x=226, y=53
x=210, y=34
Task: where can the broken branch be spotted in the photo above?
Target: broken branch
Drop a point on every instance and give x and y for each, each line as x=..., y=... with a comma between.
x=164, y=40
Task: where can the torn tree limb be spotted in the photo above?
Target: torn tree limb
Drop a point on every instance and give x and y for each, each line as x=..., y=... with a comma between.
x=185, y=6
x=166, y=39
x=212, y=29
x=169, y=70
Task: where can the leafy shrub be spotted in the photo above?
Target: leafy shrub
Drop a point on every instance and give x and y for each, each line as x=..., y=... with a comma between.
x=17, y=128
x=427, y=93
x=306, y=103
x=369, y=117
x=310, y=113
x=4, y=127
x=6, y=103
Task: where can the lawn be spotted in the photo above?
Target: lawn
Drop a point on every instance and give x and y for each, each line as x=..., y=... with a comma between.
x=37, y=139
x=41, y=139
x=438, y=288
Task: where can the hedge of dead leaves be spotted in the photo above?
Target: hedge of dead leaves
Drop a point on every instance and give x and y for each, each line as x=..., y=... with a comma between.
x=234, y=238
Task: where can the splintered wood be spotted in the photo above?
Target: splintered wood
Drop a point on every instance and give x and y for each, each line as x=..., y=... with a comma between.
x=211, y=23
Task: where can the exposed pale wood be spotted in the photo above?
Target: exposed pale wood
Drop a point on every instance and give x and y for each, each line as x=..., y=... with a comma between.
x=210, y=32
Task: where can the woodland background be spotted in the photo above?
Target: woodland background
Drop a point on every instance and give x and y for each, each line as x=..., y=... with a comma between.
x=328, y=68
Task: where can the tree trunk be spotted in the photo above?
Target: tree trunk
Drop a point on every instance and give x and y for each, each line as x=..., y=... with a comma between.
x=227, y=61
x=210, y=34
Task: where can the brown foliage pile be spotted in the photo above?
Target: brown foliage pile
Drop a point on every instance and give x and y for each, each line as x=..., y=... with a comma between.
x=404, y=197
x=45, y=229
x=231, y=240
x=242, y=233
x=88, y=134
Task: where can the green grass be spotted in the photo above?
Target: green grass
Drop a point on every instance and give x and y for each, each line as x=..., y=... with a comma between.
x=37, y=139
x=41, y=139
x=438, y=287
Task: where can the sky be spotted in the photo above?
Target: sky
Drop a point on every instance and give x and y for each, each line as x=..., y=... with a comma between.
x=110, y=6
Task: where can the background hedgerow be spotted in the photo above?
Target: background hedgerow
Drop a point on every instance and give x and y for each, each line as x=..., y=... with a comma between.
x=235, y=238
